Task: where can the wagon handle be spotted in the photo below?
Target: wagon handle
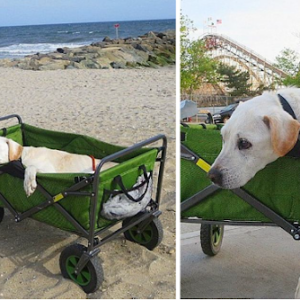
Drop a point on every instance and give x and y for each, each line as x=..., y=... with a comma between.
x=131, y=149
x=11, y=117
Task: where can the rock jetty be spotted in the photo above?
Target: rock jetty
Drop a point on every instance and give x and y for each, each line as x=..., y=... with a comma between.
x=150, y=50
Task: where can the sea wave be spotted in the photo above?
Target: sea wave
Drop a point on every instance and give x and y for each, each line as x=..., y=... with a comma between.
x=20, y=50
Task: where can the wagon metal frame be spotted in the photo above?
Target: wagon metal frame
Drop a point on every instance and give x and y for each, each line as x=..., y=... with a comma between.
x=140, y=222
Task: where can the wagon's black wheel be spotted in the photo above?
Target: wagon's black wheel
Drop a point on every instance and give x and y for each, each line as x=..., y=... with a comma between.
x=150, y=237
x=1, y=214
x=90, y=278
x=211, y=237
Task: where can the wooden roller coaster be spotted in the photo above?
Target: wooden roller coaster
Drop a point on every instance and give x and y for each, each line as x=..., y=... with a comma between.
x=228, y=51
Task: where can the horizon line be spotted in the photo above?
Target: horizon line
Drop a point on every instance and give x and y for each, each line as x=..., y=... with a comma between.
x=66, y=23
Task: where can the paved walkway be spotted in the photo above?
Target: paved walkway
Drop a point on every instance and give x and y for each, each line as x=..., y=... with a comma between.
x=254, y=262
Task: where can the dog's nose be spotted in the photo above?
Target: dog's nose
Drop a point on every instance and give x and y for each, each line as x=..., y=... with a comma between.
x=215, y=176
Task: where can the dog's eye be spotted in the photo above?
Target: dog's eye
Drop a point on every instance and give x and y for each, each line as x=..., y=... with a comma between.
x=244, y=144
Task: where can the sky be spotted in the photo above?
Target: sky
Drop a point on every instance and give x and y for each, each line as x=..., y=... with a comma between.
x=265, y=26
x=36, y=12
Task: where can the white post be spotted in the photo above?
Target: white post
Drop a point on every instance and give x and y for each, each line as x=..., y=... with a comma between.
x=117, y=30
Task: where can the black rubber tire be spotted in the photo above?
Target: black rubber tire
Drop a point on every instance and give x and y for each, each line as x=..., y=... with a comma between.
x=211, y=237
x=150, y=238
x=1, y=214
x=90, y=278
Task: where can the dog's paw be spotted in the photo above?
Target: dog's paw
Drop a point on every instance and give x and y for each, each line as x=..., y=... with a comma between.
x=30, y=183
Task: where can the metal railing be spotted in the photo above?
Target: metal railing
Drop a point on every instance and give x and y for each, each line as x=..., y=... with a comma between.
x=210, y=100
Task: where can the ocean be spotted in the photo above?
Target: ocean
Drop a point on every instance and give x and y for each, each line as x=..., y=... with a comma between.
x=19, y=41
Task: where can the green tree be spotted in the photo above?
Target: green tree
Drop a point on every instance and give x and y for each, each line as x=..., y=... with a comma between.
x=186, y=27
x=196, y=65
x=235, y=80
x=288, y=61
x=292, y=80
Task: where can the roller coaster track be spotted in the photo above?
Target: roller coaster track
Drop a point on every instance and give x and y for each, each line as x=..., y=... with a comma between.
x=229, y=51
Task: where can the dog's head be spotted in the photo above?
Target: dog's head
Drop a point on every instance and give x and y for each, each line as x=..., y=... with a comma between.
x=9, y=150
x=257, y=133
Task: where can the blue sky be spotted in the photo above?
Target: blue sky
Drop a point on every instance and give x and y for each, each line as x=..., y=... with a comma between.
x=265, y=26
x=33, y=12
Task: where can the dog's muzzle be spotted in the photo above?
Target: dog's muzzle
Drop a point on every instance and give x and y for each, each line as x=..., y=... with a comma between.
x=215, y=175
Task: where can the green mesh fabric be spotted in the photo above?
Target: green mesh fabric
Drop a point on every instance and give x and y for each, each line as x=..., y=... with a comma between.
x=73, y=143
x=277, y=185
x=77, y=206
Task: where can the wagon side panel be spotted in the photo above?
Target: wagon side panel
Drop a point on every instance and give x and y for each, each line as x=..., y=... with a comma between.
x=269, y=185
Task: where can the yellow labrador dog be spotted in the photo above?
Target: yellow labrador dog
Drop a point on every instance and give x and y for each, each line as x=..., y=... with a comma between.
x=258, y=132
x=44, y=160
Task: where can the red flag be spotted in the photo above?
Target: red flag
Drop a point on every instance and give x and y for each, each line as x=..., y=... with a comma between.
x=219, y=21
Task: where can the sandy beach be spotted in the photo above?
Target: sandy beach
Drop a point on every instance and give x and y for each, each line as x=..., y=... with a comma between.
x=117, y=106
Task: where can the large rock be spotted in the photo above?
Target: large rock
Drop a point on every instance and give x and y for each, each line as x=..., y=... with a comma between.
x=54, y=65
x=89, y=64
x=143, y=47
x=107, y=39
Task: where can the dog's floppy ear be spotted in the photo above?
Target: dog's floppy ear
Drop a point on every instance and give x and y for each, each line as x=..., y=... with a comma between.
x=14, y=150
x=284, y=133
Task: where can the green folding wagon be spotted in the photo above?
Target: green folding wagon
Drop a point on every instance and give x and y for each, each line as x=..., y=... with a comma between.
x=271, y=198
x=74, y=202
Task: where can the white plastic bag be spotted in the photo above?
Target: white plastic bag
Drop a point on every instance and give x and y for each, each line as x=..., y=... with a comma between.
x=120, y=206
